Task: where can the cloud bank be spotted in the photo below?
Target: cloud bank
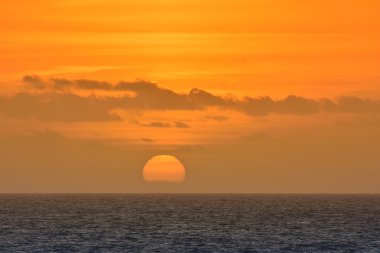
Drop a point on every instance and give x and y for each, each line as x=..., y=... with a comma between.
x=57, y=100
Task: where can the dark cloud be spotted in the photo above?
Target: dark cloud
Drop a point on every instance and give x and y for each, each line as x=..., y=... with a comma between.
x=291, y=105
x=59, y=103
x=205, y=98
x=150, y=96
x=351, y=105
x=180, y=124
x=137, y=86
x=147, y=94
x=92, y=85
x=61, y=84
x=296, y=105
x=34, y=82
x=257, y=106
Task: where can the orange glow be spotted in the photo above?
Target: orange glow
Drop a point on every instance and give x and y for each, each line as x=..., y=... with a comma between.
x=246, y=47
x=164, y=168
x=239, y=90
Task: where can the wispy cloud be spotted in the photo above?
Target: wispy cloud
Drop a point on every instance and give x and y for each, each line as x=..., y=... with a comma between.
x=217, y=117
x=157, y=124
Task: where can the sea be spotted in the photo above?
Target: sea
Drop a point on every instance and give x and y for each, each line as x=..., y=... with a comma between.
x=189, y=223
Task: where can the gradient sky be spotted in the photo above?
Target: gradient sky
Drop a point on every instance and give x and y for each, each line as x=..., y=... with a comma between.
x=252, y=96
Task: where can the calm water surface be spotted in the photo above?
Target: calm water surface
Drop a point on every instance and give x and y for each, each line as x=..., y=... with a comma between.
x=189, y=223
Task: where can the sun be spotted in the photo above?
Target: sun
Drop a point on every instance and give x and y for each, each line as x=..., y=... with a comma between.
x=164, y=168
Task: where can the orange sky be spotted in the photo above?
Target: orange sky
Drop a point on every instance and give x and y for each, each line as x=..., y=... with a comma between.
x=318, y=48
x=62, y=63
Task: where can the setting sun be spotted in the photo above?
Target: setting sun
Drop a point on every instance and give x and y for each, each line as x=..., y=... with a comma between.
x=164, y=168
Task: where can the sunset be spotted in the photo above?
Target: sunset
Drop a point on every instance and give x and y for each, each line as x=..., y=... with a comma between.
x=202, y=107
x=164, y=168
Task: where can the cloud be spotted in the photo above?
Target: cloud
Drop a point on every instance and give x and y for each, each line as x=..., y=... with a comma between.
x=58, y=107
x=34, y=82
x=147, y=94
x=92, y=85
x=137, y=86
x=351, y=105
x=217, y=117
x=291, y=105
x=147, y=140
x=157, y=124
x=296, y=105
x=59, y=84
x=205, y=98
x=179, y=124
x=57, y=101
x=150, y=96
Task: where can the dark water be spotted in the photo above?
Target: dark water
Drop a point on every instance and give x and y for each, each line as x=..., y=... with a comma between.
x=189, y=223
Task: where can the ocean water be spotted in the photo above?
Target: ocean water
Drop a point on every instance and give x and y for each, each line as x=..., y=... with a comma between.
x=189, y=223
